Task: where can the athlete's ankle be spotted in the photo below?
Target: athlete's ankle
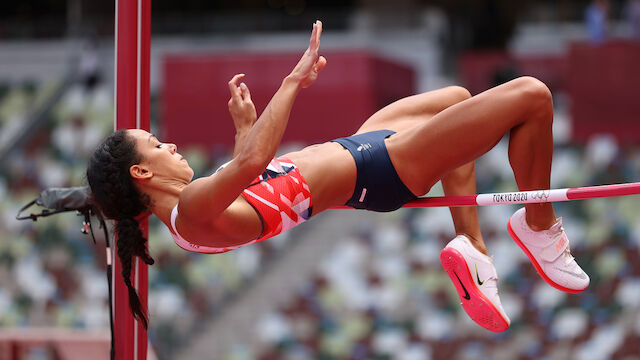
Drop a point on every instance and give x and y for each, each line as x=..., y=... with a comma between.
x=540, y=217
x=477, y=242
x=538, y=225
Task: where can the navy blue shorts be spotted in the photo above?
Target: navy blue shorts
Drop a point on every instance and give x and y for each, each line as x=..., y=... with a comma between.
x=378, y=186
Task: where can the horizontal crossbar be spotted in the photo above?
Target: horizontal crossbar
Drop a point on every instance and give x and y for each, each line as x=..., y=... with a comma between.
x=524, y=197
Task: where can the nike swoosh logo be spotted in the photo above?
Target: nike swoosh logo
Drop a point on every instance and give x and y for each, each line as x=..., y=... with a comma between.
x=478, y=276
x=466, y=293
x=578, y=275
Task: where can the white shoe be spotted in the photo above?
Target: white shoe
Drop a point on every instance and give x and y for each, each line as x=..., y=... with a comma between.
x=476, y=281
x=550, y=254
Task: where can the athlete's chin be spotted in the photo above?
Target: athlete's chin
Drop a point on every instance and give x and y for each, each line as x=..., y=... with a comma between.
x=184, y=163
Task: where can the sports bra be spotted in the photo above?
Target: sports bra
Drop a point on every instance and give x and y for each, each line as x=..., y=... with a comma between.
x=280, y=196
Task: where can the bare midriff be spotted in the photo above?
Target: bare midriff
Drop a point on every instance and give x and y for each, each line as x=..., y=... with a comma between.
x=330, y=172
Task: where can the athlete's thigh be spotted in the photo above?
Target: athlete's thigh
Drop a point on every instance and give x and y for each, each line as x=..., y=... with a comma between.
x=410, y=111
x=465, y=131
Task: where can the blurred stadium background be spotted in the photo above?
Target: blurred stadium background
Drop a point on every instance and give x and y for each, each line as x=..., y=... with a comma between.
x=347, y=285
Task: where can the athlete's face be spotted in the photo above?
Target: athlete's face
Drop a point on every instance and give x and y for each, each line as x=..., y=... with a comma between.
x=159, y=160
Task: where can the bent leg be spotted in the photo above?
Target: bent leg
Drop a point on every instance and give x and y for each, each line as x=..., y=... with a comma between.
x=407, y=115
x=463, y=132
x=462, y=181
x=415, y=110
x=411, y=111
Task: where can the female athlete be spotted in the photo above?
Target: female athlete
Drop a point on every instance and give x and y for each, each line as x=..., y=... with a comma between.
x=397, y=154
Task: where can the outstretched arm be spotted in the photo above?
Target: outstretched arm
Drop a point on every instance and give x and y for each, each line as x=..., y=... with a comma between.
x=213, y=194
x=262, y=141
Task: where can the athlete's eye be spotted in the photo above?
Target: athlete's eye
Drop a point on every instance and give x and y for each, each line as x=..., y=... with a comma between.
x=159, y=145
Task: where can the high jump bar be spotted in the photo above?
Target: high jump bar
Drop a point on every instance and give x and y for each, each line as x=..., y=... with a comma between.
x=524, y=197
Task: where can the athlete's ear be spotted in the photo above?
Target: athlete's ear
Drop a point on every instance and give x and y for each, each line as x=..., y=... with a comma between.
x=140, y=172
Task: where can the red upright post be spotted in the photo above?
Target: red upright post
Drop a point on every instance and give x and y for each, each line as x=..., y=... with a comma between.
x=132, y=48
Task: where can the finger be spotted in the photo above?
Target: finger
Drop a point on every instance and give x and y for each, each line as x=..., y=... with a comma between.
x=246, y=95
x=233, y=84
x=314, y=38
x=322, y=62
x=233, y=87
x=235, y=93
x=236, y=78
x=318, y=32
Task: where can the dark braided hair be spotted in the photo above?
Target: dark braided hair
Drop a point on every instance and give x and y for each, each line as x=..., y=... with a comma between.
x=117, y=198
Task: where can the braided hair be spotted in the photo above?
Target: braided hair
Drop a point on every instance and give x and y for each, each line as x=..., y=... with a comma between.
x=116, y=196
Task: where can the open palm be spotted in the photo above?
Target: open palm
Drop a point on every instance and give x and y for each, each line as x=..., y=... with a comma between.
x=310, y=65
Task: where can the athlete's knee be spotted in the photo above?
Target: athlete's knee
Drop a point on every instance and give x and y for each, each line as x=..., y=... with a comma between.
x=536, y=95
x=459, y=93
x=534, y=90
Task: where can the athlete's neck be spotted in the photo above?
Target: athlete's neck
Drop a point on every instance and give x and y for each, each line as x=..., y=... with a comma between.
x=164, y=198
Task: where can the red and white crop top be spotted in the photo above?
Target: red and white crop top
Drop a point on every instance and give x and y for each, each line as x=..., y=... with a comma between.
x=280, y=196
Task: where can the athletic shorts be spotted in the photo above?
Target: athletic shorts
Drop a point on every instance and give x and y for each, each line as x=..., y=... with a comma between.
x=378, y=186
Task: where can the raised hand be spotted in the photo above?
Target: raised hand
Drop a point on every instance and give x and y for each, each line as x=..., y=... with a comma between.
x=310, y=65
x=241, y=107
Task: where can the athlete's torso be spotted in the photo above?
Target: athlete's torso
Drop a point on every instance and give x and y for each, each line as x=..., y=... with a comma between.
x=329, y=172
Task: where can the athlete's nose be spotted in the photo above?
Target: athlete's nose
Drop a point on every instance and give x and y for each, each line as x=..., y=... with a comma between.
x=173, y=148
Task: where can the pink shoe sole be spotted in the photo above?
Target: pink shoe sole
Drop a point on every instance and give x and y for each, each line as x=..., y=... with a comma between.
x=536, y=265
x=474, y=302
